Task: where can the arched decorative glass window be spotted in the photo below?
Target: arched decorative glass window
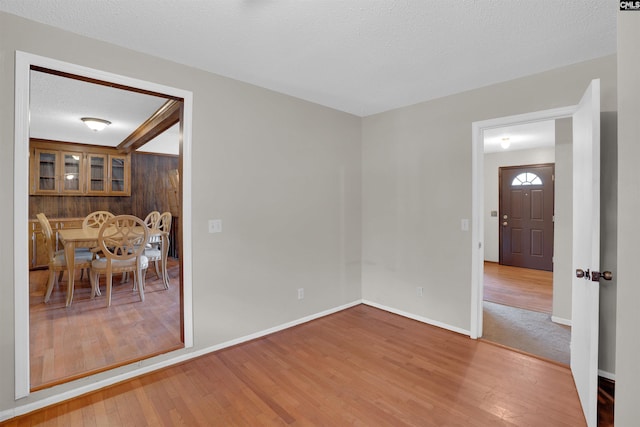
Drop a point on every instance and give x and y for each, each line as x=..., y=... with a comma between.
x=526, y=178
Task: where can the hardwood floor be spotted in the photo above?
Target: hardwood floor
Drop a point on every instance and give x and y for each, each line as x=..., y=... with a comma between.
x=361, y=366
x=88, y=337
x=533, y=290
x=518, y=287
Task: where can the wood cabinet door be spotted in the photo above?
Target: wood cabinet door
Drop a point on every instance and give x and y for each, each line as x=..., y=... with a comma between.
x=66, y=169
x=97, y=171
x=46, y=172
x=73, y=173
x=119, y=175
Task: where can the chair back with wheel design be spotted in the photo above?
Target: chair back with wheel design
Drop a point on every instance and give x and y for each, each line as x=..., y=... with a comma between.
x=96, y=219
x=152, y=219
x=164, y=222
x=158, y=249
x=121, y=241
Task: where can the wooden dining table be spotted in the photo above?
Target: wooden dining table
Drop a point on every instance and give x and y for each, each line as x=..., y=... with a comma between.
x=73, y=238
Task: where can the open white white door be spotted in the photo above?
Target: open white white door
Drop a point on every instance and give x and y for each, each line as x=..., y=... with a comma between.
x=586, y=250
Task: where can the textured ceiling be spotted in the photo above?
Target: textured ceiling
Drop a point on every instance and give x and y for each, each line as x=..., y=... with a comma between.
x=57, y=103
x=358, y=56
x=521, y=137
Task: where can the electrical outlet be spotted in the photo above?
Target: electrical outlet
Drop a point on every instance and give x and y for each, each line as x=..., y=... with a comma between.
x=300, y=293
x=419, y=291
x=215, y=226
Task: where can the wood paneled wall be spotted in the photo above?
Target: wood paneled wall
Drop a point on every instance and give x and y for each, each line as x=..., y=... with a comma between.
x=150, y=182
x=149, y=188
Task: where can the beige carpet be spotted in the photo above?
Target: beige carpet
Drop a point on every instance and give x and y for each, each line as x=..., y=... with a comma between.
x=527, y=331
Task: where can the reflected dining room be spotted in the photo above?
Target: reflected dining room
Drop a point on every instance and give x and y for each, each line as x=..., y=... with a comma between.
x=96, y=303
x=75, y=328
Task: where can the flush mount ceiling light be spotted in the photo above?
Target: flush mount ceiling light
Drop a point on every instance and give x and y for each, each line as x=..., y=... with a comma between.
x=95, y=124
x=505, y=143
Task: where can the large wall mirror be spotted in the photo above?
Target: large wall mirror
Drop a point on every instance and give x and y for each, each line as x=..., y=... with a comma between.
x=134, y=166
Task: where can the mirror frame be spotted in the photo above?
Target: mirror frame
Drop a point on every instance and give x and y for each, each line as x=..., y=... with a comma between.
x=23, y=63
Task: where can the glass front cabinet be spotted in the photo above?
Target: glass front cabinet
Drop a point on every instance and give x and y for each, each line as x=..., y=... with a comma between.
x=119, y=184
x=45, y=173
x=72, y=173
x=98, y=166
x=64, y=169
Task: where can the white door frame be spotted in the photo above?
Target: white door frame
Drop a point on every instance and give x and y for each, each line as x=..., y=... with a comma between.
x=477, y=199
x=21, y=206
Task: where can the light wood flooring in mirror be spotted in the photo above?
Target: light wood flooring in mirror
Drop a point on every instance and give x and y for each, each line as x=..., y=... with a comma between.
x=518, y=287
x=71, y=342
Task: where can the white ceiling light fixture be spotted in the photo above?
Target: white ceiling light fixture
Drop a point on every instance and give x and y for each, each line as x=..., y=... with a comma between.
x=505, y=143
x=95, y=124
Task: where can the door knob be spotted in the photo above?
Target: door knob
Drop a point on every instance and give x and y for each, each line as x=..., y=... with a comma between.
x=505, y=223
x=594, y=275
x=580, y=273
x=606, y=275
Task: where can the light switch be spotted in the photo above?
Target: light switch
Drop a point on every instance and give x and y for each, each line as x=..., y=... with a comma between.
x=215, y=226
x=464, y=225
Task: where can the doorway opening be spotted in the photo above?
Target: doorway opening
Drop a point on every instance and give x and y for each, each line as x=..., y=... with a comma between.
x=517, y=313
x=585, y=236
x=479, y=219
x=25, y=63
x=519, y=237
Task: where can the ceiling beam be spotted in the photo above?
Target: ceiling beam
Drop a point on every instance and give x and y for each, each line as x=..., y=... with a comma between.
x=166, y=116
x=101, y=82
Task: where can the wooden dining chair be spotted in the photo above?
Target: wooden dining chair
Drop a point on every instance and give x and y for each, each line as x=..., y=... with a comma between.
x=152, y=219
x=96, y=219
x=57, y=260
x=121, y=241
x=157, y=251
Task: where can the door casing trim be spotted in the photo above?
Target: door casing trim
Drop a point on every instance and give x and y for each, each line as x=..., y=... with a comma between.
x=23, y=62
x=477, y=198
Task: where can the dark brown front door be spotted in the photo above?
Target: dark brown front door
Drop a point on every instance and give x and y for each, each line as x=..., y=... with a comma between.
x=526, y=216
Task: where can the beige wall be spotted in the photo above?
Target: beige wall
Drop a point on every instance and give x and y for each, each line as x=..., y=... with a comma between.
x=416, y=188
x=563, y=224
x=608, y=239
x=283, y=175
x=628, y=298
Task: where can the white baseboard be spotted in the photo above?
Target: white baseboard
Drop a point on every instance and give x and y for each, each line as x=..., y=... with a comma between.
x=607, y=375
x=60, y=397
x=51, y=400
x=6, y=415
x=561, y=321
x=418, y=318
